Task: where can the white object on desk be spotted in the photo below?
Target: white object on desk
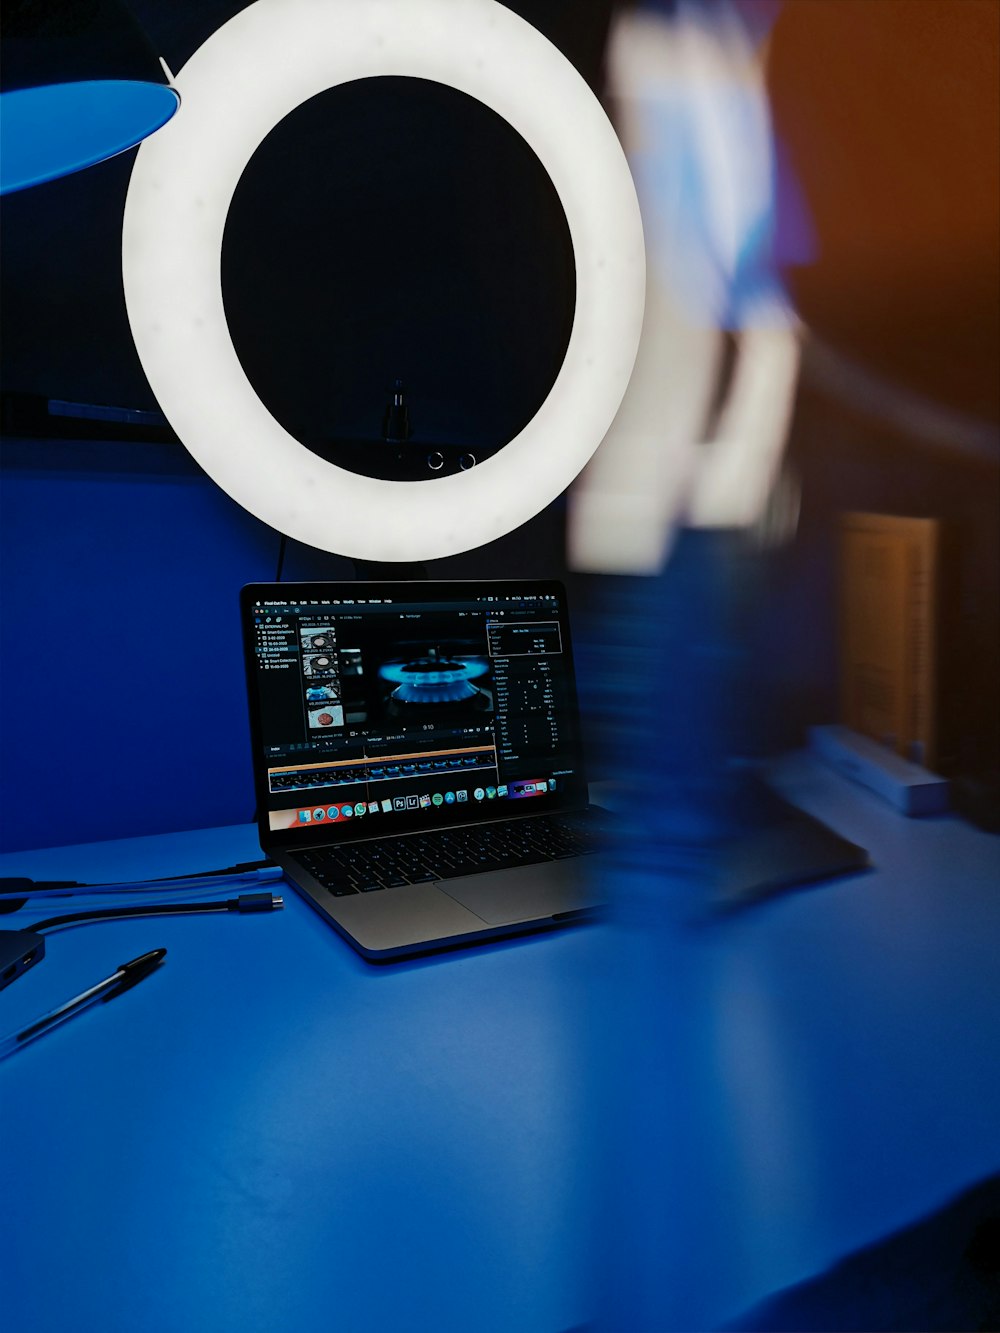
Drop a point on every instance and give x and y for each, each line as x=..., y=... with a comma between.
x=910, y=788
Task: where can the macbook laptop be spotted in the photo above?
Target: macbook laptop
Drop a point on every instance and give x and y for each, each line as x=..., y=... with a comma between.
x=417, y=757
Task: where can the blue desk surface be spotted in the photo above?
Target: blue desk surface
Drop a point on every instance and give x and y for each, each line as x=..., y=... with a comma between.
x=656, y=1122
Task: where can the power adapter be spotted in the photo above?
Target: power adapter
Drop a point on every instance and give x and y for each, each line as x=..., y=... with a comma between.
x=19, y=950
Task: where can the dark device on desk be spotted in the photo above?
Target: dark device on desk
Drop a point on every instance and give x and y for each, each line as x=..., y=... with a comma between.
x=417, y=757
x=774, y=847
x=19, y=950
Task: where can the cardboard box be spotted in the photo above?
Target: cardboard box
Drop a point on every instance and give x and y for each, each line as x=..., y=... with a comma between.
x=889, y=618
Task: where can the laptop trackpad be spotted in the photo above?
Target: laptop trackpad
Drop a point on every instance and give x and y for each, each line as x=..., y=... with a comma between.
x=528, y=893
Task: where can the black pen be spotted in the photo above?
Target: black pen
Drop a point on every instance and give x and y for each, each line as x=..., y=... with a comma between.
x=127, y=976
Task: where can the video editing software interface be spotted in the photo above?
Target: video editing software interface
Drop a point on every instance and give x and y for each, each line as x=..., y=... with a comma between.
x=430, y=706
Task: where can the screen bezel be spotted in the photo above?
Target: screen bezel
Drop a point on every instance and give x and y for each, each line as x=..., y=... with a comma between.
x=573, y=796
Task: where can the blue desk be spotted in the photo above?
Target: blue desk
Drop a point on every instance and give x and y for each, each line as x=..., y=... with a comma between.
x=659, y=1122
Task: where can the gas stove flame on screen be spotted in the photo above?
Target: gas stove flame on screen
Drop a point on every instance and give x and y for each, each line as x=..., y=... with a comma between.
x=438, y=677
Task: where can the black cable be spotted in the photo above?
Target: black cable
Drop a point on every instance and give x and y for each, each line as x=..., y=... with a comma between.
x=11, y=883
x=246, y=902
x=19, y=883
x=243, y=868
x=281, y=558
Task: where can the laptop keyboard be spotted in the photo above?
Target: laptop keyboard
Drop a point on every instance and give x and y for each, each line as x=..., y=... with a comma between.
x=418, y=858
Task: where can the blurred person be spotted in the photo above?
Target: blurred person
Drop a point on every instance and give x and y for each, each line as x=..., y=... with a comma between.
x=700, y=434
x=819, y=190
x=690, y=474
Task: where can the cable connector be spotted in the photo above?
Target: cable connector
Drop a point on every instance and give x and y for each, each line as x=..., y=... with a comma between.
x=257, y=869
x=255, y=902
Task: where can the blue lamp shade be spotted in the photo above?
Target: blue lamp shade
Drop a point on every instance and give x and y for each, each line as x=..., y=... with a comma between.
x=79, y=83
x=49, y=132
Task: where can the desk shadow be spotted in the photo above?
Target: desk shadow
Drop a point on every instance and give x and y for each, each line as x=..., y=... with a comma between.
x=943, y=1273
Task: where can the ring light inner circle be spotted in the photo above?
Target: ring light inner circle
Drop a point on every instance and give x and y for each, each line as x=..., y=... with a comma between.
x=330, y=299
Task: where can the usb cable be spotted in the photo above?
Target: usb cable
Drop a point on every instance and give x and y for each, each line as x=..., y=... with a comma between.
x=13, y=890
x=246, y=902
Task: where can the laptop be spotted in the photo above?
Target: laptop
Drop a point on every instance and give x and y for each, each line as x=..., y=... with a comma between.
x=417, y=758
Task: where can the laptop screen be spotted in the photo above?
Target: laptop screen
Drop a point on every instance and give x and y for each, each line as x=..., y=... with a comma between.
x=386, y=708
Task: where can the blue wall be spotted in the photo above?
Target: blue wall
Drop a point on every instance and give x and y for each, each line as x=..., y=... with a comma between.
x=122, y=695
x=122, y=707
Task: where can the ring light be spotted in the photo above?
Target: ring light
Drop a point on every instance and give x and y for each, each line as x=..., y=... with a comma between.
x=247, y=77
